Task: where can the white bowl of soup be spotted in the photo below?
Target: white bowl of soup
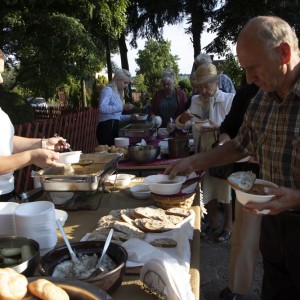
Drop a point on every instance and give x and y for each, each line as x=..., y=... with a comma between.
x=163, y=185
x=256, y=194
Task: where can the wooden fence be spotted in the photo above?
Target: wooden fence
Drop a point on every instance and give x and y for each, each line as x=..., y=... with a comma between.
x=79, y=128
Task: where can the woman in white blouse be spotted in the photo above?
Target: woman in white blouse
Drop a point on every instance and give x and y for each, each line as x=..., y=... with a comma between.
x=111, y=106
x=206, y=113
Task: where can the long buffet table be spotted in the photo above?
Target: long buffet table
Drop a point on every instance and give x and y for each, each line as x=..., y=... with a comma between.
x=81, y=222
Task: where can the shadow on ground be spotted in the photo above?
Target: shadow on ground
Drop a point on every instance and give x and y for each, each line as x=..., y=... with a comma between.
x=214, y=266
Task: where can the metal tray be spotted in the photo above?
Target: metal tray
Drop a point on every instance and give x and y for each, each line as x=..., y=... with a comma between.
x=85, y=178
x=137, y=130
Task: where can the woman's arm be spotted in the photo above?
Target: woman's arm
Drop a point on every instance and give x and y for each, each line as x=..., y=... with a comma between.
x=105, y=105
x=23, y=144
x=39, y=157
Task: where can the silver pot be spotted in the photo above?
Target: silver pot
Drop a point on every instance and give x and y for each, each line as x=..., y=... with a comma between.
x=178, y=147
x=143, y=154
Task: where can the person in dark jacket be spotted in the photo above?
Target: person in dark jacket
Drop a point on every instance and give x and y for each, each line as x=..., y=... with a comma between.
x=168, y=102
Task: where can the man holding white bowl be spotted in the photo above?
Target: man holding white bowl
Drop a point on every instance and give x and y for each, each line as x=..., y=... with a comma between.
x=267, y=48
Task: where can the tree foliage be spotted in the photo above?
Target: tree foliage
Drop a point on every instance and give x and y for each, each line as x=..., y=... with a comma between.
x=231, y=17
x=50, y=41
x=155, y=57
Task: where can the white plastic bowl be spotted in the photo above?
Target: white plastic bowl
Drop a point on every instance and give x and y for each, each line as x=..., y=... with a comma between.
x=244, y=197
x=61, y=215
x=158, y=184
x=68, y=158
x=120, y=179
x=121, y=142
x=141, y=191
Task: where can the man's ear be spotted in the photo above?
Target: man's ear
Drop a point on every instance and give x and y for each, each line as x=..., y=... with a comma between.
x=285, y=52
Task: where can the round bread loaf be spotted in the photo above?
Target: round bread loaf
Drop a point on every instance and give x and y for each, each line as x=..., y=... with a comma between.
x=13, y=286
x=47, y=290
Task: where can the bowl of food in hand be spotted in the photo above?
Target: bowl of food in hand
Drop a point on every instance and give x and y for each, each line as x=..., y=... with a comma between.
x=143, y=154
x=120, y=179
x=248, y=188
x=68, y=158
x=58, y=264
x=163, y=185
x=141, y=191
x=19, y=253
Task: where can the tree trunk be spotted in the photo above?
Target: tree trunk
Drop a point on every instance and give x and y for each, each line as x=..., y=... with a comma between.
x=108, y=58
x=83, y=93
x=125, y=65
x=123, y=51
x=197, y=27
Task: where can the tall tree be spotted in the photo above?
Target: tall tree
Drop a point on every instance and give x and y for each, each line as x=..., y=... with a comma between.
x=198, y=13
x=230, y=18
x=155, y=57
x=50, y=40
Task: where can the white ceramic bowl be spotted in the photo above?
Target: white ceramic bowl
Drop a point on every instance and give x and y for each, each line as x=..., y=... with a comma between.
x=120, y=179
x=162, y=185
x=244, y=197
x=141, y=191
x=68, y=158
x=121, y=142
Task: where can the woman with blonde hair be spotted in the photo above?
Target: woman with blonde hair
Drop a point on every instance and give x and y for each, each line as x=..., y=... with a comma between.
x=111, y=106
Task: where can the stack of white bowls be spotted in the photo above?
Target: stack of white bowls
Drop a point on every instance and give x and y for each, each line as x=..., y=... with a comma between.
x=37, y=220
x=7, y=218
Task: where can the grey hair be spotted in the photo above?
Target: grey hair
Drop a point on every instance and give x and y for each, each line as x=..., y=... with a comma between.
x=202, y=58
x=273, y=31
x=168, y=74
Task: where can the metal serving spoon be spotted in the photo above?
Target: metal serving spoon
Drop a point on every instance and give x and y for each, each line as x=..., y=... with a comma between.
x=64, y=143
x=74, y=258
x=99, y=268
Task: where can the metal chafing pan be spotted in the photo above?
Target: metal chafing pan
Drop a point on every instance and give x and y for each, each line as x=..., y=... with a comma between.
x=137, y=130
x=84, y=178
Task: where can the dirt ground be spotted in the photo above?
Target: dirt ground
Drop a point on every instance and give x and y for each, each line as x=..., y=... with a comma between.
x=214, y=266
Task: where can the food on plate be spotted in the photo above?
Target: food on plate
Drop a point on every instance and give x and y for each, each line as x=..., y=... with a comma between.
x=46, y=290
x=151, y=225
x=242, y=180
x=101, y=148
x=111, y=149
x=164, y=243
x=129, y=229
x=135, y=222
x=178, y=211
x=174, y=219
x=13, y=286
x=149, y=212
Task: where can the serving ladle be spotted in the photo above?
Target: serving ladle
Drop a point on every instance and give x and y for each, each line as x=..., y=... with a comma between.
x=99, y=267
x=74, y=258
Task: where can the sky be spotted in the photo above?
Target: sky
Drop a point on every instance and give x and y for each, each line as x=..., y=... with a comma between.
x=181, y=46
